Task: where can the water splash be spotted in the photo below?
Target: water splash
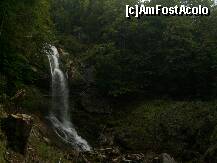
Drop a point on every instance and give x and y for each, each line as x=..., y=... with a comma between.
x=59, y=114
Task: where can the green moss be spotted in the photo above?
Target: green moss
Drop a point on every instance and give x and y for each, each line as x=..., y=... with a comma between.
x=35, y=101
x=44, y=151
x=180, y=128
x=48, y=153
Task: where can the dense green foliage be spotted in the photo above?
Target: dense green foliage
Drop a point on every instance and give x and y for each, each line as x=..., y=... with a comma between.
x=25, y=27
x=158, y=55
x=185, y=129
x=155, y=56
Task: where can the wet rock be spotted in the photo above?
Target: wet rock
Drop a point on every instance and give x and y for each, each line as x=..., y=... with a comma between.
x=114, y=155
x=107, y=137
x=109, y=154
x=17, y=129
x=164, y=158
x=46, y=140
x=156, y=160
x=133, y=158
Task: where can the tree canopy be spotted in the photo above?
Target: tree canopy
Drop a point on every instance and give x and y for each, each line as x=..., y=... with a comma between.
x=158, y=55
x=25, y=26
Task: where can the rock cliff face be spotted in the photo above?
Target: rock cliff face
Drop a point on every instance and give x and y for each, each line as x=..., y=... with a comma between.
x=82, y=87
x=17, y=129
x=27, y=139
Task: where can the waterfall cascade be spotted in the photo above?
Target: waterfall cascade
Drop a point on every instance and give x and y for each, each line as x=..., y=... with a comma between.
x=59, y=115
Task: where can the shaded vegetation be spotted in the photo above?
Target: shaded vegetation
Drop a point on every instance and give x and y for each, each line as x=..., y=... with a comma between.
x=25, y=28
x=120, y=59
x=173, y=56
x=184, y=129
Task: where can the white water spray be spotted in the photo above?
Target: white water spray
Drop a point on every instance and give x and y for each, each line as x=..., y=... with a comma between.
x=59, y=114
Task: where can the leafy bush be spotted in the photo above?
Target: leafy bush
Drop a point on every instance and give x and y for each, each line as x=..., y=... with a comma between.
x=184, y=129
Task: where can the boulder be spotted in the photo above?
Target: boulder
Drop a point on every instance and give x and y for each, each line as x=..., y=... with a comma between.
x=164, y=158
x=134, y=157
x=106, y=138
x=17, y=129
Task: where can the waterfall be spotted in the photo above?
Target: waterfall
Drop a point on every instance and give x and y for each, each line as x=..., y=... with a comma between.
x=59, y=114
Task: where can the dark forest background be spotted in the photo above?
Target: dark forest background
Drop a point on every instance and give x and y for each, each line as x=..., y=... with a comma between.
x=172, y=55
x=129, y=63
